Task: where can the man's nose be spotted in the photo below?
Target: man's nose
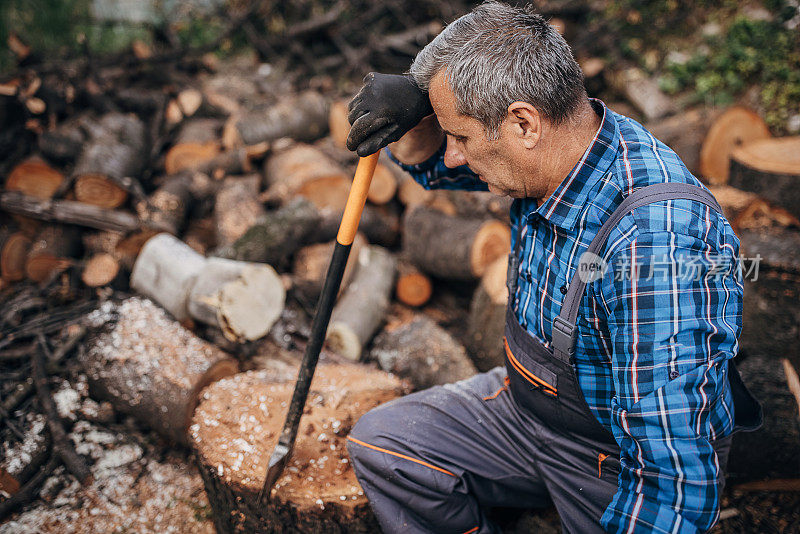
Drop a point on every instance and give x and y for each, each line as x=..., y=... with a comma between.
x=452, y=156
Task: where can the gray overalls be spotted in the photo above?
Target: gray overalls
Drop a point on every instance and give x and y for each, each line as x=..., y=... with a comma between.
x=434, y=461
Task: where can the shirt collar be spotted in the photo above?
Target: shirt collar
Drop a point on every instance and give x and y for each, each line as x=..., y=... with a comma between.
x=564, y=206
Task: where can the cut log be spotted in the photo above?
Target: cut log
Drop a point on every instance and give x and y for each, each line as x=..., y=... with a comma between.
x=410, y=192
x=487, y=317
x=14, y=247
x=129, y=247
x=771, y=451
x=474, y=204
x=53, y=250
x=338, y=125
x=748, y=211
x=684, y=133
x=770, y=168
x=168, y=206
x=383, y=185
x=68, y=212
x=413, y=288
x=111, y=161
x=63, y=144
x=276, y=236
x=236, y=427
x=738, y=125
x=643, y=92
x=196, y=144
x=423, y=352
x=150, y=367
x=237, y=208
x=35, y=178
x=242, y=299
x=303, y=118
x=201, y=235
x=380, y=225
x=304, y=170
x=453, y=247
x=165, y=271
x=101, y=270
x=311, y=266
x=360, y=311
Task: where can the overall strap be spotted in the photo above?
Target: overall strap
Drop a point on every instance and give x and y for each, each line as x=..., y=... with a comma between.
x=564, y=325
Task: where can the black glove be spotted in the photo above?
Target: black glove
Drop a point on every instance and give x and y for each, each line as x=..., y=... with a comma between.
x=384, y=109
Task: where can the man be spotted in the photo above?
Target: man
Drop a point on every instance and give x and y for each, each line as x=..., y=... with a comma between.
x=617, y=399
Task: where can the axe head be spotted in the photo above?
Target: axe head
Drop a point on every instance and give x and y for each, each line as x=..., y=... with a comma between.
x=277, y=463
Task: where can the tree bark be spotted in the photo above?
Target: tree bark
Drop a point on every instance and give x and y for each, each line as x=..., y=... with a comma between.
x=487, y=316
x=360, y=311
x=169, y=205
x=237, y=425
x=311, y=263
x=152, y=368
x=453, y=247
x=53, y=249
x=303, y=118
x=237, y=208
x=423, y=352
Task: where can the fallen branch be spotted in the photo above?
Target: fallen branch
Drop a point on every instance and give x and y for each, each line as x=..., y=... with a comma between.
x=29, y=490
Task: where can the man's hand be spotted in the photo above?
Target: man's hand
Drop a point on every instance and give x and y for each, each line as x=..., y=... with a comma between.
x=386, y=107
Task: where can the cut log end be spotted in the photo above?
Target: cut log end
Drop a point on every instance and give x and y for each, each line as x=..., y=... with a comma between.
x=383, y=185
x=36, y=178
x=13, y=252
x=100, y=270
x=187, y=155
x=413, y=288
x=736, y=126
x=492, y=241
x=98, y=190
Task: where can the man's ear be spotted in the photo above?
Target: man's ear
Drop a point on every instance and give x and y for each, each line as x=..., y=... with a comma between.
x=525, y=122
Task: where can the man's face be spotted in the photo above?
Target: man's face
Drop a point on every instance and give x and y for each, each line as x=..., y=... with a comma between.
x=495, y=161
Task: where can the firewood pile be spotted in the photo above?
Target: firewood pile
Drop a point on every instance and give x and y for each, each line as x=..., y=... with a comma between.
x=166, y=223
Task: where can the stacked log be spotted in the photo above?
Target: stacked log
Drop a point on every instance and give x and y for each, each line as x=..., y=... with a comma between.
x=311, y=263
x=198, y=142
x=14, y=246
x=422, y=352
x=102, y=270
x=361, y=309
x=52, y=251
x=236, y=427
x=237, y=208
x=456, y=248
x=110, y=161
x=487, y=317
x=150, y=367
x=413, y=287
x=34, y=177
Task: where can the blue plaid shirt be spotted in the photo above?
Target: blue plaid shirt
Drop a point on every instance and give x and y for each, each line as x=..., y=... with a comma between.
x=653, y=341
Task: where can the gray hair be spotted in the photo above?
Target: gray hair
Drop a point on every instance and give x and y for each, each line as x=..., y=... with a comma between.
x=498, y=54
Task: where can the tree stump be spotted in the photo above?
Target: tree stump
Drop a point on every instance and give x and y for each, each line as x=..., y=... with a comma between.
x=487, y=317
x=150, y=367
x=242, y=299
x=237, y=208
x=110, y=160
x=237, y=425
x=197, y=143
x=423, y=352
x=166, y=270
x=769, y=168
x=738, y=125
x=304, y=170
x=34, y=177
x=360, y=311
x=454, y=248
x=52, y=250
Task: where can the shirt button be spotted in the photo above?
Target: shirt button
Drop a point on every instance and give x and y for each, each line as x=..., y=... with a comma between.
x=528, y=277
x=563, y=290
x=673, y=375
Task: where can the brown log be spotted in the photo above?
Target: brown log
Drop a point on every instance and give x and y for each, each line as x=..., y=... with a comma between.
x=128, y=248
x=304, y=170
x=53, y=250
x=197, y=143
x=201, y=235
x=237, y=207
x=771, y=169
x=474, y=204
x=453, y=247
x=410, y=192
x=169, y=205
x=487, y=317
x=237, y=425
x=338, y=125
x=111, y=161
x=413, y=288
x=360, y=310
x=64, y=143
x=276, y=236
x=100, y=270
x=35, y=178
x=311, y=265
x=383, y=185
x=154, y=373
x=738, y=125
x=423, y=352
x=303, y=118
x=68, y=212
x=14, y=247
x=380, y=225
x=748, y=211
